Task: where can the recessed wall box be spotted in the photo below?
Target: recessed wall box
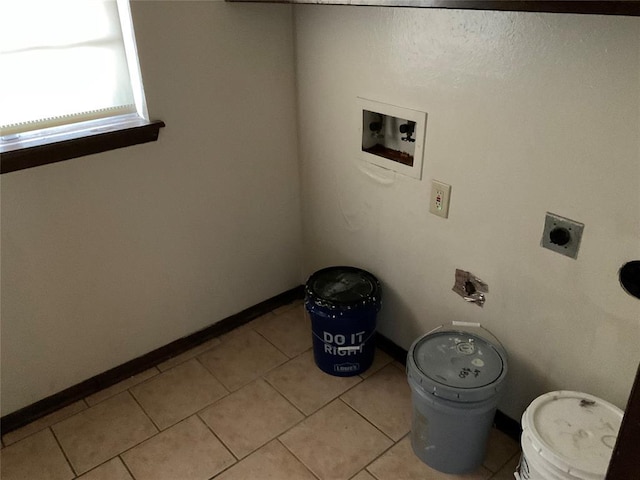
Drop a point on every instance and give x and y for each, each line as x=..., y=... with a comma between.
x=392, y=137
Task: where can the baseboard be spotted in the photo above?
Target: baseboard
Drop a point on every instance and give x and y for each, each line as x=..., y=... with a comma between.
x=508, y=425
x=103, y=380
x=396, y=352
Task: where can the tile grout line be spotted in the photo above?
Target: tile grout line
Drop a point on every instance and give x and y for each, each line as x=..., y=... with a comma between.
x=298, y=459
x=44, y=427
x=73, y=470
x=145, y=413
x=230, y=392
x=158, y=372
x=227, y=389
x=187, y=359
x=494, y=474
x=304, y=415
x=76, y=474
x=126, y=467
x=119, y=455
x=277, y=437
x=224, y=444
x=115, y=456
x=280, y=350
x=366, y=419
x=394, y=443
x=287, y=359
x=197, y=358
x=287, y=399
x=274, y=346
x=321, y=406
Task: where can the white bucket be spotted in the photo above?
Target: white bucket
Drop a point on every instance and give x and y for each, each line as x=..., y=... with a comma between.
x=568, y=436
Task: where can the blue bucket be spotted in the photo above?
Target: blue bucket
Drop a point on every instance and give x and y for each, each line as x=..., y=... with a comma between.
x=343, y=303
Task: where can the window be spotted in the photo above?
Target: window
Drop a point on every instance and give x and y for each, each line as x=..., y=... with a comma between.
x=69, y=72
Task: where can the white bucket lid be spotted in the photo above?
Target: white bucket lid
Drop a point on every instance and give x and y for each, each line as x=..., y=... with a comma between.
x=574, y=431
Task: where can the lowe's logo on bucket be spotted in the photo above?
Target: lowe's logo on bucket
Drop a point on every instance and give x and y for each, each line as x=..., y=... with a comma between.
x=335, y=344
x=346, y=367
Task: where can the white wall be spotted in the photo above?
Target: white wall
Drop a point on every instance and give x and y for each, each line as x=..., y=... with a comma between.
x=527, y=113
x=107, y=257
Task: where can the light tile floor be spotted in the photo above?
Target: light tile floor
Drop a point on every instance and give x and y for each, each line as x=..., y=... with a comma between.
x=248, y=405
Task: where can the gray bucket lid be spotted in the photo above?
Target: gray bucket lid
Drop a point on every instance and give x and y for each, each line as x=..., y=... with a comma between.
x=457, y=365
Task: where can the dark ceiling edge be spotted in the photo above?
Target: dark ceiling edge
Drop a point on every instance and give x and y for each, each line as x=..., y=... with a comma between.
x=589, y=7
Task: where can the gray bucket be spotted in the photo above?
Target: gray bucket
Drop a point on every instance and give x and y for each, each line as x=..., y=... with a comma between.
x=456, y=375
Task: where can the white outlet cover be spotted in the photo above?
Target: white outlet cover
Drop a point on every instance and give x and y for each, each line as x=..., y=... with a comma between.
x=443, y=192
x=420, y=119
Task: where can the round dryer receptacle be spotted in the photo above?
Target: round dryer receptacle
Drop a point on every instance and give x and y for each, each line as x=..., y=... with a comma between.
x=629, y=276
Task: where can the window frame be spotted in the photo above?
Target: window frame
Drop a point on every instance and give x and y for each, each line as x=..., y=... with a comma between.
x=51, y=145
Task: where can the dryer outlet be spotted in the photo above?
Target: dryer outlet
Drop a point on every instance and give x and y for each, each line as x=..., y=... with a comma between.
x=562, y=235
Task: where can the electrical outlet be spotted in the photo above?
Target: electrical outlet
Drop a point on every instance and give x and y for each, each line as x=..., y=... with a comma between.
x=440, y=196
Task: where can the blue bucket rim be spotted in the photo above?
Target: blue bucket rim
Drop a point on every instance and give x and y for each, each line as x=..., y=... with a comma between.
x=313, y=297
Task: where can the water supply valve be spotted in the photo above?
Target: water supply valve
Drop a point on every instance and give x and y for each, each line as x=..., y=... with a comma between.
x=376, y=127
x=408, y=129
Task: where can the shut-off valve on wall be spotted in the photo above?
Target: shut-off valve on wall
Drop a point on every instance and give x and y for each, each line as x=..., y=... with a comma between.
x=408, y=129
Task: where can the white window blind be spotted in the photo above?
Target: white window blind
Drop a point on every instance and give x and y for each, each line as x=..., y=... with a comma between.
x=66, y=61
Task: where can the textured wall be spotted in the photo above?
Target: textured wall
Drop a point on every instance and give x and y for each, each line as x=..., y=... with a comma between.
x=527, y=113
